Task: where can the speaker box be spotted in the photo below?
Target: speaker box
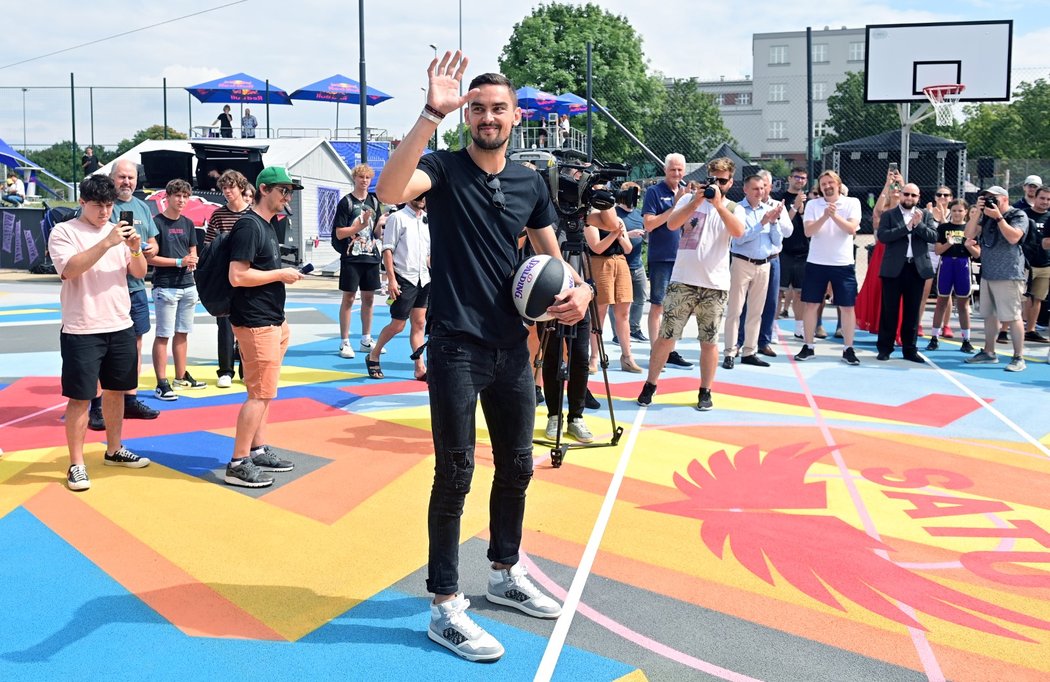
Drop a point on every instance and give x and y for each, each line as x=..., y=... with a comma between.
x=213, y=159
x=985, y=167
x=163, y=165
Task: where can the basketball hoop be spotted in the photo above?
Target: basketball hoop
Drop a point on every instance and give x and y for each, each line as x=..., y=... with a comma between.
x=943, y=97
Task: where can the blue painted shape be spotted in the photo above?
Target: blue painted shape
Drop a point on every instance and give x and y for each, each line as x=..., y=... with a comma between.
x=195, y=454
x=72, y=621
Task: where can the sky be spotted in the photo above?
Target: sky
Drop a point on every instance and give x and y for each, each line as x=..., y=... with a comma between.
x=294, y=44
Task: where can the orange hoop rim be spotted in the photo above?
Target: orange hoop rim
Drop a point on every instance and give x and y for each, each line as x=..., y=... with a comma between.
x=937, y=93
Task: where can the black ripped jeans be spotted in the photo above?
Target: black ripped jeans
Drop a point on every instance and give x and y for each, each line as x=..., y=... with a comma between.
x=458, y=371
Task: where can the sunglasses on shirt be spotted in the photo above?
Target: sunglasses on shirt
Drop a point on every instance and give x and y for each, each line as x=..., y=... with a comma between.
x=498, y=199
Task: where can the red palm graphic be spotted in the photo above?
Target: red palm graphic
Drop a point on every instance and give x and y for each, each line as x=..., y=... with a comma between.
x=736, y=499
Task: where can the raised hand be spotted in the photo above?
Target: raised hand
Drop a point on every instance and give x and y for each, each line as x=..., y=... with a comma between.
x=445, y=78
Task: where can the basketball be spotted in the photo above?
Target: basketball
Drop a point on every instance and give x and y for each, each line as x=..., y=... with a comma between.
x=536, y=282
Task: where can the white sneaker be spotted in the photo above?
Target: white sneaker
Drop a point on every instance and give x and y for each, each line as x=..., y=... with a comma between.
x=346, y=350
x=552, y=428
x=512, y=587
x=368, y=343
x=225, y=381
x=578, y=430
x=452, y=628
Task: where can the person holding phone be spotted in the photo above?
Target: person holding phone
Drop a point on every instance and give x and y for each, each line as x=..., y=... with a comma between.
x=96, y=260
x=357, y=233
x=869, y=300
x=133, y=211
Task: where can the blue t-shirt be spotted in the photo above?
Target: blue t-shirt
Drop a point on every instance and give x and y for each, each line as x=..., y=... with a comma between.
x=663, y=243
x=633, y=221
x=145, y=226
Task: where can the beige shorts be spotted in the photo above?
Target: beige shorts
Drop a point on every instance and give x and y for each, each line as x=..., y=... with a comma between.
x=1040, y=284
x=1001, y=299
x=262, y=351
x=612, y=279
x=685, y=300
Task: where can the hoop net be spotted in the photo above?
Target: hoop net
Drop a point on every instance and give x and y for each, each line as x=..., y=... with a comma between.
x=943, y=98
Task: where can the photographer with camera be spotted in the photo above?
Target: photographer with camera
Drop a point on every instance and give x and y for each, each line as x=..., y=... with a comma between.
x=478, y=203
x=700, y=279
x=999, y=230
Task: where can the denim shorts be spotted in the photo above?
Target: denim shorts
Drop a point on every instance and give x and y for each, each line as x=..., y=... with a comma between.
x=659, y=278
x=174, y=310
x=140, y=312
x=842, y=278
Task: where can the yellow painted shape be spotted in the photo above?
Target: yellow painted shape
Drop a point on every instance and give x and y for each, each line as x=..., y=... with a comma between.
x=290, y=376
x=636, y=676
x=27, y=311
x=24, y=472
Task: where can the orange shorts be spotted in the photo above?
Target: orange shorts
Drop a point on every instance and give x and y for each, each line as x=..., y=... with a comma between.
x=262, y=351
x=612, y=279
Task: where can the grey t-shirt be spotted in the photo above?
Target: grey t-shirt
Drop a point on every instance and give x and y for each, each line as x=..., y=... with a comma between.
x=1001, y=260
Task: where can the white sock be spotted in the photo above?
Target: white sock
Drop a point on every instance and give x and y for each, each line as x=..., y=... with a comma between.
x=259, y=450
x=798, y=327
x=236, y=462
x=965, y=333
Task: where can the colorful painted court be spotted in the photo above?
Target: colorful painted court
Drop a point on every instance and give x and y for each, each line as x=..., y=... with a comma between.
x=883, y=522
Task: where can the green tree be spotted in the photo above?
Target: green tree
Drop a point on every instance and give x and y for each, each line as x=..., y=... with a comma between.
x=850, y=117
x=548, y=50
x=62, y=159
x=778, y=168
x=1009, y=130
x=687, y=122
x=154, y=132
x=451, y=137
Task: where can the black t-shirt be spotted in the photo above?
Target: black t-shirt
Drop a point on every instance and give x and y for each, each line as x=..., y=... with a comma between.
x=614, y=249
x=90, y=164
x=174, y=239
x=798, y=243
x=950, y=233
x=473, y=245
x=363, y=247
x=255, y=240
x=1036, y=255
x=225, y=120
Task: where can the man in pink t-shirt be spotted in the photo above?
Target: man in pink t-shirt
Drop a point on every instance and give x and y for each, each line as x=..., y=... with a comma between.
x=94, y=258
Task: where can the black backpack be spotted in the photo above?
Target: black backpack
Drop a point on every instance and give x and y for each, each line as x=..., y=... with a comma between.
x=1032, y=246
x=213, y=276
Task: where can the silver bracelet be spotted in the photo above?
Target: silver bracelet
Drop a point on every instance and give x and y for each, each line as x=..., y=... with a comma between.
x=430, y=117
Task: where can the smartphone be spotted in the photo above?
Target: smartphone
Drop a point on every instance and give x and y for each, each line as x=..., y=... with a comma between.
x=307, y=269
x=127, y=217
x=894, y=167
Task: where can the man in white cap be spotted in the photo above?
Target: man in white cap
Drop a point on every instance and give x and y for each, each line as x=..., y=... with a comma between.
x=1031, y=185
x=1000, y=229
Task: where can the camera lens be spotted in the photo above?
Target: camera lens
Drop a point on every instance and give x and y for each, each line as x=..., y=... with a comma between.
x=709, y=192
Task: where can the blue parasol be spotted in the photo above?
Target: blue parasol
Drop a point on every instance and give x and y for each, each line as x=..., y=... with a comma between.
x=240, y=87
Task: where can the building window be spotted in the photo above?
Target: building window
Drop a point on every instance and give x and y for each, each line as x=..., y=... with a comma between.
x=778, y=54
x=776, y=130
x=720, y=99
x=776, y=92
x=820, y=53
x=820, y=128
x=743, y=98
x=820, y=91
x=856, y=52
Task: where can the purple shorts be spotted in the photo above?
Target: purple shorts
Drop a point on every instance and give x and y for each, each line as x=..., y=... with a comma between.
x=953, y=277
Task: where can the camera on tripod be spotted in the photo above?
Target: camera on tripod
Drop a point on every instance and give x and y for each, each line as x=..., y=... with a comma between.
x=578, y=187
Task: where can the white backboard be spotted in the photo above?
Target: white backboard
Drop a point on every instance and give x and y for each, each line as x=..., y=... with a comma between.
x=901, y=59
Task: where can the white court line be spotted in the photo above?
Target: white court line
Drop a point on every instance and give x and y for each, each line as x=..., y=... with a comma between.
x=572, y=601
x=986, y=405
x=30, y=416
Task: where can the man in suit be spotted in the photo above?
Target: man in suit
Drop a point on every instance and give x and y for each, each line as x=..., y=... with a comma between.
x=907, y=232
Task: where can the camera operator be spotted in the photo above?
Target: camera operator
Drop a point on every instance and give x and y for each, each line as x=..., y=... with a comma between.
x=999, y=230
x=609, y=244
x=700, y=278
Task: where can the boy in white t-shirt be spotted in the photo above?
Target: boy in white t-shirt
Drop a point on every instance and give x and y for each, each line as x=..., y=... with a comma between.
x=830, y=222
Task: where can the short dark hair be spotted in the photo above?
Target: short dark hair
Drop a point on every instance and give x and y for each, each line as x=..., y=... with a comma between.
x=98, y=188
x=232, y=178
x=494, y=79
x=178, y=186
x=752, y=178
x=799, y=169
